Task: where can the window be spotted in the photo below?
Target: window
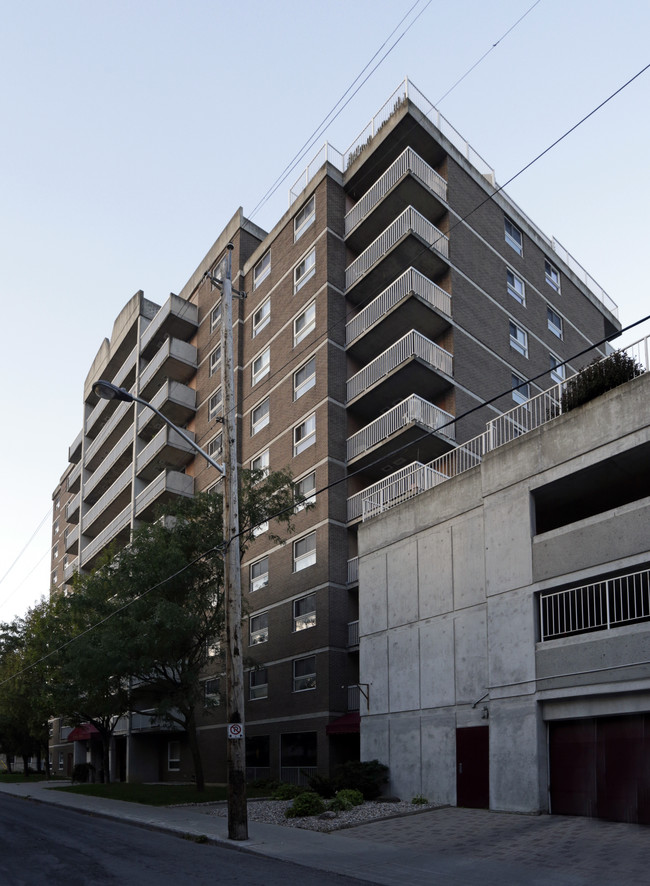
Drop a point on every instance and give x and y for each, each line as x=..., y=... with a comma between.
x=261, y=365
x=66, y=533
x=304, y=434
x=57, y=504
x=215, y=316
x=54, y=577
x=216, y=488
x=262, y=269
x=61, y=761
x=65, y=561
x=262, y=317
x=261, y=463
x=55, y=552
x=214, y=648
x=173, y=756
x=304, y=613
x=259, y=574
x=304, y=552
x=518, y=339
x=520, y=389
x=552, y=276
x=554, y=322
x=211, y=691
x=215, y=359
x=513, y=237
x=214, y=404
x=304, y=218
x=304, y=492
x=515, y=287
x=55, y=528
x=304, y=673
x=215, y=446
x=304, y=323
x=304, y=271
x=259, y=628
x=260, y=417
x=304, y=378
x=558, y=370
x=258, y=684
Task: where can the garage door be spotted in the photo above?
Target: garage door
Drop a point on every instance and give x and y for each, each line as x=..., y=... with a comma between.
x=600, y=767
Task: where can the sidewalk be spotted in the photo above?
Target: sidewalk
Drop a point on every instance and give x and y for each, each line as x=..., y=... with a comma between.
x=455, y=847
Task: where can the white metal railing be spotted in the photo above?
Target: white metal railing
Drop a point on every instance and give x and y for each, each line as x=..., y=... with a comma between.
x=109, y=460
x=299, y=775
x=585, y=276
x=412, y=409
x=355, y=502
x=353, y=697
x=353, y=633
x=110, y=495
x=408, y=221
x=413, y=344
x=381, y=497
x=600, y=605
x=407, y=162
x=353, y=570
x=409, y=283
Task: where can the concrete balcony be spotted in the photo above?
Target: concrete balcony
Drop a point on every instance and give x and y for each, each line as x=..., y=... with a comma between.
x=177, y=318
x=410, y=302
x=353, y=634
x=353, y=571
x=167, y=486
x=175, y=400
x=109, y=505
x=166, y=450
x=110, y=468
x=72, y=509
x=410, y=240
x=101, y=414
x=71, y=540
x=400, y=426
x=408, y=181
x=74, y=478
x=174, y=360
x=115, y=426
x=70, y=569
x=118, y=529
x=74, y=450
x=412, y=364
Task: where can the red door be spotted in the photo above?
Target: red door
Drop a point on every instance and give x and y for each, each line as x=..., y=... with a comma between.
x=473, y=767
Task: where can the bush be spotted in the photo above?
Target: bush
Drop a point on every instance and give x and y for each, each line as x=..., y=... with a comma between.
x=367, y=777
x=265, y=784
x=419, y=800
x=289, y=791
x=322, y=785
x=597, y=378
x=307, y=803
x=340, y=804
x=350, y=795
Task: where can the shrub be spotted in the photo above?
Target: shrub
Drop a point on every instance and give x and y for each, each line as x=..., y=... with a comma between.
x=597, y=378
x=265, y=784
x=350, y=795
x=419, y=800
x=366, y=777
x=307, y=803
x=340, y=804
x=289, y=791
x=322, y=785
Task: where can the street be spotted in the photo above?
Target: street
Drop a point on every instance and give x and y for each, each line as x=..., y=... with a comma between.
x=42, y=844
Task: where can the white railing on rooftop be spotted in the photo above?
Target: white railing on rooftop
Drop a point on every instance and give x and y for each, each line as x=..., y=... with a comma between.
x=413, y=344
x=408, y=283
x=408, y=221
x=412, y=409
x=407, y=162
x=355, y=502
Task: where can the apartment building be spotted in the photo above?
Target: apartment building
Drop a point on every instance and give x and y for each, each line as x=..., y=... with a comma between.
x=397, y=294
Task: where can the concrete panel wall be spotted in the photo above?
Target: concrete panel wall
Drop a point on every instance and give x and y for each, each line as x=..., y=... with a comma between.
x=435, y=572
x=470, y=659
x=468, y=561
x=437, y=686
x=515, y=726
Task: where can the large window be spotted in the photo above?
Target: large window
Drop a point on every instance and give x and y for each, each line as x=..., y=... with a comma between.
x=304, y=673
x=261, y=365
x=518, y=339
x=214, y=404
x=215, y=316
x=173, y=756
x=554, y=322
x=304, y=552
x=215, y=359
x=304, y=613
x=304, y=323
x=215, y=446
x=258, y=684
x=262, y=317
x=261, y=463
x=552, y=275
x=513, y=237
x=304, y=434
x=516, y=287
x=259, y=574
x=262, y=269
x=304, y=271
x=520, y=389
x=304, y=218
x=304, y=378
x=260, y=417
x=259, y=628
x=305, y=491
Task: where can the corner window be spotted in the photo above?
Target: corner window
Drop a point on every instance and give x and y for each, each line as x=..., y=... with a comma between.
x=259, y=574
x=215, y=446
x=259, y=628
x=304, y=271
x=262, y=269
x=260, y=417
x=554, y=322
x=552, y=276
x=513, y=237
x=304, y=613
x=262, y=317
x=518, y=339
x=215, y=316
x=515, y=287
x=261, y=365
x=173, y=756
x=215, y=359
x=304, y=323
x=304, y=218
x=304, y=552
x=304, y=378
x=558, y=369
x=258, y=684
x=304, y=492
x=520, y=389
x=261, y=463
x=304, y=673
x=214, y=404
x=304, y=435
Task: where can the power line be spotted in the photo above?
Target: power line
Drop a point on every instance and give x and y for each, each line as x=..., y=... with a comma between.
x=27, y=544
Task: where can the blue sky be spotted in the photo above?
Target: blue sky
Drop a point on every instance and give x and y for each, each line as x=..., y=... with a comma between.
x=131, y=133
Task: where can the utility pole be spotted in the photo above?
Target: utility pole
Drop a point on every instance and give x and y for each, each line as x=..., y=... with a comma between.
x=237, y=810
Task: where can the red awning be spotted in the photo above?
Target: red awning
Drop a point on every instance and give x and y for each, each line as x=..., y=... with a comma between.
x=348, y=723
x=83, y=733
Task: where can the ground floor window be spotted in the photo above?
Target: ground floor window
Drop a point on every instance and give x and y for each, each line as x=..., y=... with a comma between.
x=258, y=756
x=174, y=756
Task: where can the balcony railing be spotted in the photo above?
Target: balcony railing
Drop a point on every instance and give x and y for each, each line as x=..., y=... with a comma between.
x=106, y=536
x=74, y=478
x=394, y=490
x=410, y=221
x=167, y=481
x=176, y=312
x=299, y=775
x=74, y=450
x=407, y=162
x=353, y=570
x=113, y=491
x=413, y=409
x=409, y=283
x=598, y=606
x=70, y=569
x=355, y=502
x=104, y=434
x=72, y=508
x=413, y=344
x=165, y=439
x=353, y=697
x=71, y=537
x=125, y=441
x=353, y=634
x=180, y=352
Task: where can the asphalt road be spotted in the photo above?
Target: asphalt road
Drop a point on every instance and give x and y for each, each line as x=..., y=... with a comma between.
x=45, y=846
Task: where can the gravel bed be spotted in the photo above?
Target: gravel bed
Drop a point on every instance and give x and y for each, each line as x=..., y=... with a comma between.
x=272, y=812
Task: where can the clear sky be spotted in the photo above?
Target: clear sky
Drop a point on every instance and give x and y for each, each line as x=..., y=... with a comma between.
x=132, y=131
